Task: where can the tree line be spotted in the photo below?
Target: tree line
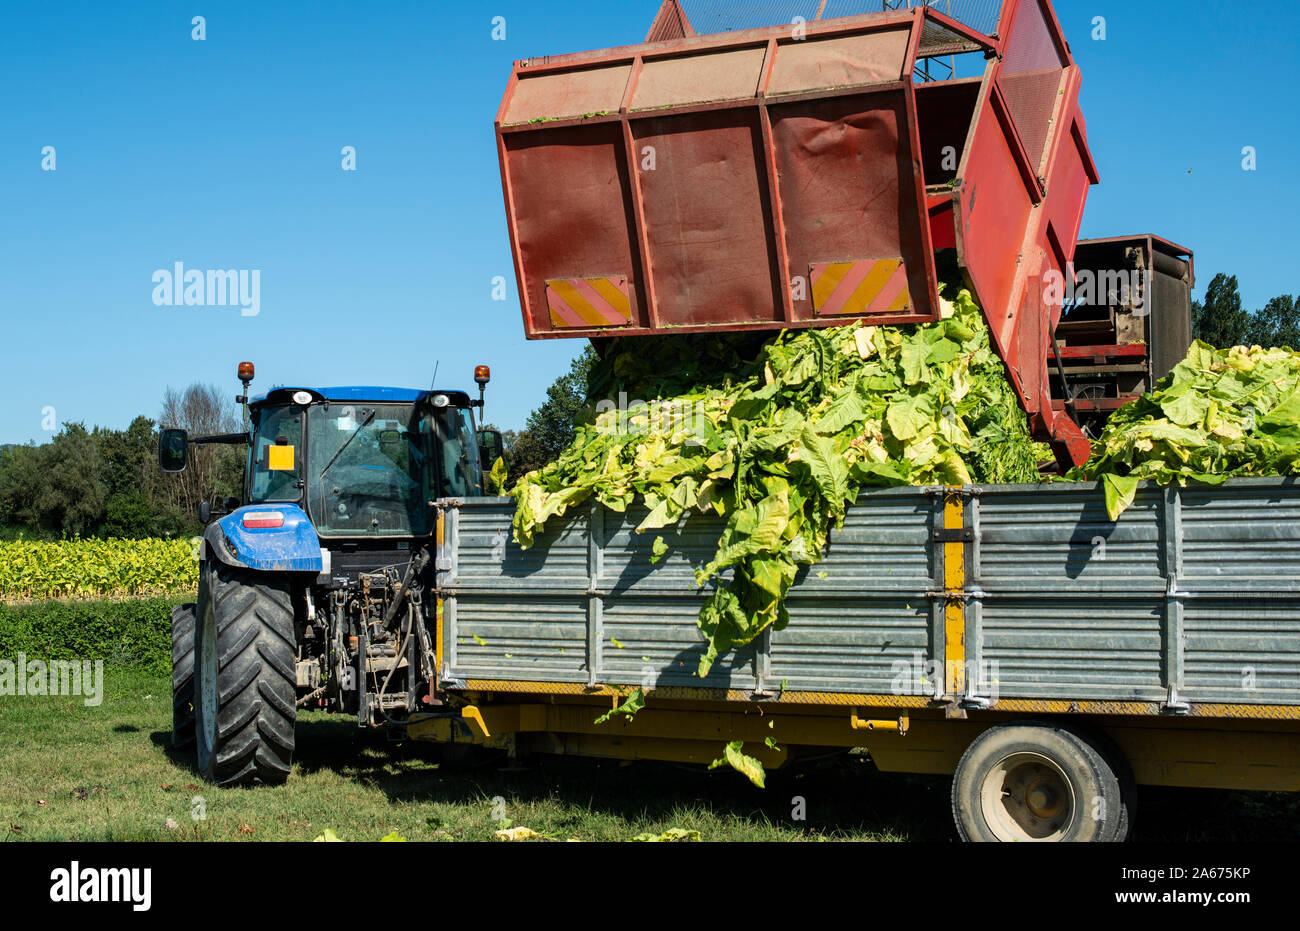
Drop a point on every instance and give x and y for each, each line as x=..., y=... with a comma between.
x=550, y=428
x=100, y=482
x=1221, y=320
x=106, y=483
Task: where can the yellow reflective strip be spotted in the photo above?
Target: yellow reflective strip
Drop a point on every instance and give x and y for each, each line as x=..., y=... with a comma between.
x=688, y=693
x=577, y=303
x=903, y=301
x=871, y=287
x=828, y=282
x=440, y=535
x=954, y=581
x=865, y=700
x=616, y=298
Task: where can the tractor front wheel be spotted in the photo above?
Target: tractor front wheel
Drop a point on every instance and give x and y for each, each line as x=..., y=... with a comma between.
x=245, y=686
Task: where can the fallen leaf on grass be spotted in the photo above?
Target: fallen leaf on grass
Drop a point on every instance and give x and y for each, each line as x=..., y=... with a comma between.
x=170, y=824
x=247, y=829
x=41, y=802
x=672, y=835
x=519, y=833
x=329, y=837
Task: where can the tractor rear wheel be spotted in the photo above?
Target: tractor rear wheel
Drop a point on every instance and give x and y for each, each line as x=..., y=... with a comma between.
x=183, y=676
x=245, y=685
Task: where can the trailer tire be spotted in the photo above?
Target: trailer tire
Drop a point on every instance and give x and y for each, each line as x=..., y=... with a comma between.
x=245, y=685
x=1119, y=764
x=183, y=617
x=1035, y=781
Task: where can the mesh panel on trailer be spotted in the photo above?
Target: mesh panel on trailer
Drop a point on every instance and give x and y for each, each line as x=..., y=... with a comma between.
x=936, y=41
x=1031, y=78
x=709, y=16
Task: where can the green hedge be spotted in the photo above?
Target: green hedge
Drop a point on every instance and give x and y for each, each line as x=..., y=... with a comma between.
x=133, y=633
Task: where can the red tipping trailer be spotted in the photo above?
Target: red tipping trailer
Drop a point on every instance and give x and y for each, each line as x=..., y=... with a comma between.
x=802, y=175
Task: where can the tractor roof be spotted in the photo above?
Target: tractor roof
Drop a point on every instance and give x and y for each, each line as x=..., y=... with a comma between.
x=375, y=393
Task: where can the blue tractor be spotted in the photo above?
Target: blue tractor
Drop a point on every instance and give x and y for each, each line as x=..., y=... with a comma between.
x=311, y=591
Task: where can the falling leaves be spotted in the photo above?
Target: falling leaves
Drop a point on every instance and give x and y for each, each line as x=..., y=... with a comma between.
x=747, y=766
x=778, y=434
x=634, y=703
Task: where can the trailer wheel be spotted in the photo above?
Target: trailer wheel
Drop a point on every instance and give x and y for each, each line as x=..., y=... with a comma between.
x=1035, y=781
x=183, y=676
x=1119, y=764
x=245, y=685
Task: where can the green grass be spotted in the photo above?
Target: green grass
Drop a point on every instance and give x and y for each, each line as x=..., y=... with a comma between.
x=108, y=773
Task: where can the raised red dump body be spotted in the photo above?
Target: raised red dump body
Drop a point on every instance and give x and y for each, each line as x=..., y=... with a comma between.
x=803, y=175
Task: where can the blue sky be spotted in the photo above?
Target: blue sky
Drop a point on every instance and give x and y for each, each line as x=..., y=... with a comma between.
x=225, y=153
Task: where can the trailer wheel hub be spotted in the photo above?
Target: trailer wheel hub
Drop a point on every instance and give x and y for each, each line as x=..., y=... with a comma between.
x=1027, y=797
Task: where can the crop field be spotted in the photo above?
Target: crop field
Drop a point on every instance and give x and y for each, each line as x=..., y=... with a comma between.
x=108, y=773
x=95, y=568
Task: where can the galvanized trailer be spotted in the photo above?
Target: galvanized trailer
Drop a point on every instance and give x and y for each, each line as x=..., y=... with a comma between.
x=1012, y=635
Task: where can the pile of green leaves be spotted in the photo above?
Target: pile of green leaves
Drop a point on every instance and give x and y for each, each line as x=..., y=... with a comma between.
x=1219, y=413
x=778, y=435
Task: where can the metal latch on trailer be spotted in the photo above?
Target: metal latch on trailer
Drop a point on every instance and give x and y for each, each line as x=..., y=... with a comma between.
x=898, y=725
x=1175, y=705
x=954, y=535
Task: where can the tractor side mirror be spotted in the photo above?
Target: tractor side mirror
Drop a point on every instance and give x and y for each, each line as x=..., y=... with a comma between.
x=173, y=450
x=491, y=447
x=205, y=511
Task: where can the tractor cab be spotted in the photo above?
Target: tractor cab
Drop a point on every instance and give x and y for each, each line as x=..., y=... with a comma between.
x=363, y=462
x=360, y=462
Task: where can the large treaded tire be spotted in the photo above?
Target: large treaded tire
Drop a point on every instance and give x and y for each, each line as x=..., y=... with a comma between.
x=1119, y=764
x=245, y=686
x=1070, y=790
x=183, y=676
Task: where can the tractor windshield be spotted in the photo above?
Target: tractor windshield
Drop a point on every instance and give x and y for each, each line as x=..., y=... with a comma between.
x=364, y=469
x=368, y=471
